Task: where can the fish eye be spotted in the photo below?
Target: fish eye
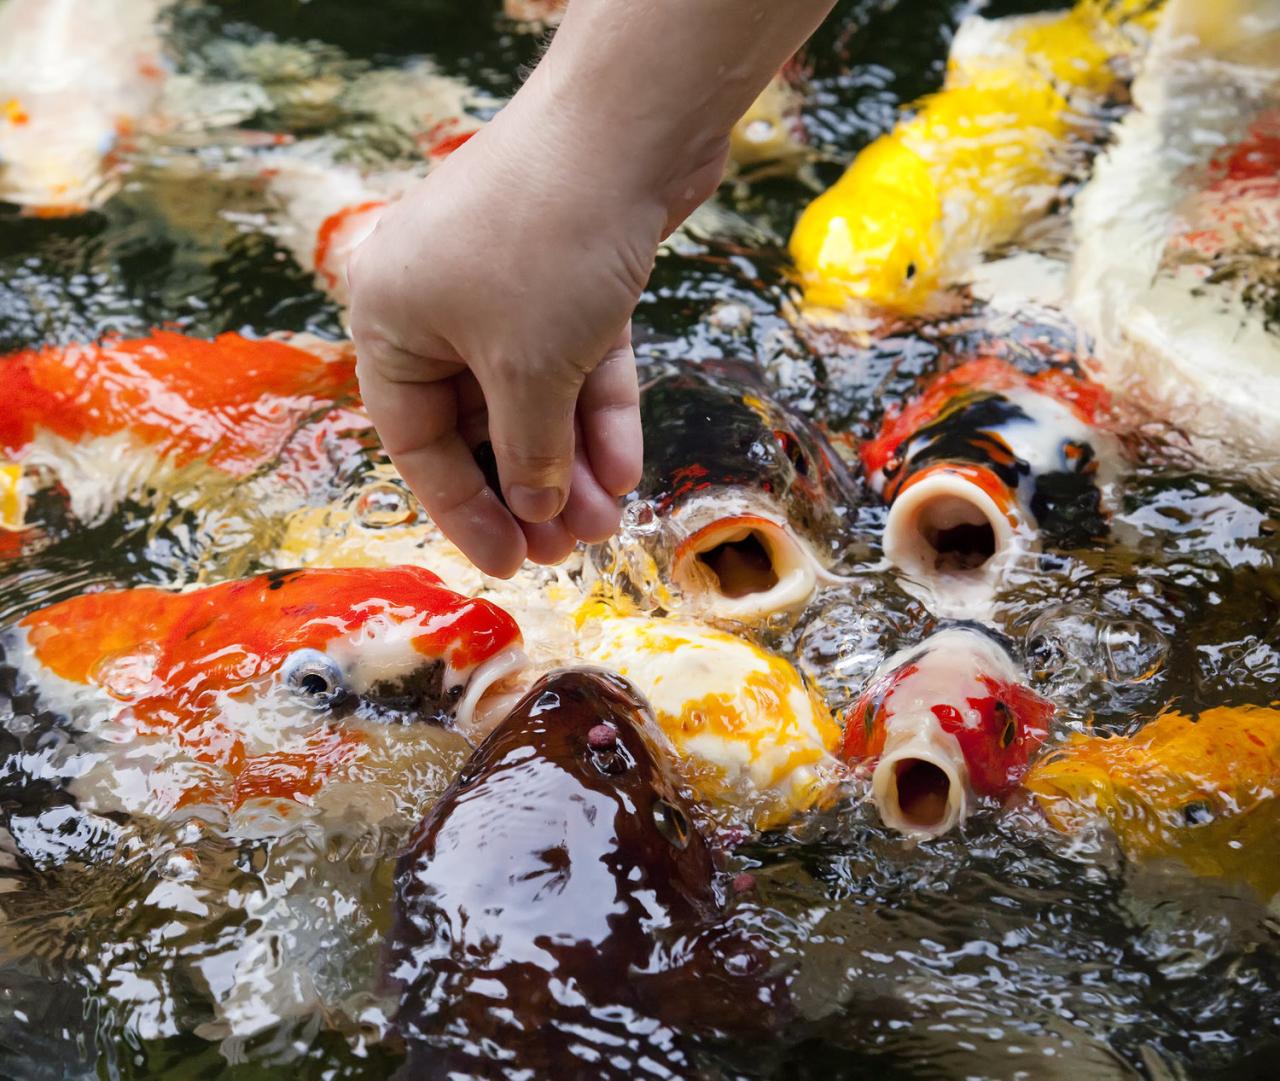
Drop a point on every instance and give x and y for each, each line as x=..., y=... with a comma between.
x=911, y=271
x=1198, y=813
x=315, y=678
x=672, y=824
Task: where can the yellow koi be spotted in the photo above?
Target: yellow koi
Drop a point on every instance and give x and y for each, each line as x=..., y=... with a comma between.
x=1200, y=791
x=972, y=165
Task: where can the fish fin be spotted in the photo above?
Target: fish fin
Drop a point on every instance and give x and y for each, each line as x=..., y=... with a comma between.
x=13, y=501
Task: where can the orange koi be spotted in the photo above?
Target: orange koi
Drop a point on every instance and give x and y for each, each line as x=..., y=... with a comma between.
x=85, y=410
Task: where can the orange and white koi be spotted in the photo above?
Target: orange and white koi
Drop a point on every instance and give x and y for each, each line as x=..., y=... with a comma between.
x=106, y=418
x=746, y=732
x=252, y=696
x=942, y=723
x=1200, y=790
x=77, y=77
x=982, y=464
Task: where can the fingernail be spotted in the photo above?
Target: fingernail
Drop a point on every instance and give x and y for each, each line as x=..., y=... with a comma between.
x=535, y=504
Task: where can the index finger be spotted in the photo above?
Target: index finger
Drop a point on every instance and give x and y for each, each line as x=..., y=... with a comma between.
x=418, y=423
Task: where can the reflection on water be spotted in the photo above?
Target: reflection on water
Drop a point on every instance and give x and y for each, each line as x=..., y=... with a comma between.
x=132, y=947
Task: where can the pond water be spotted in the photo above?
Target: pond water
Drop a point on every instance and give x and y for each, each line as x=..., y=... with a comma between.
x=1002, y=950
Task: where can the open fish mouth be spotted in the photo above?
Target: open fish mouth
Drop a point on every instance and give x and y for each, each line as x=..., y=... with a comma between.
x=950, y=530
x=745, y=566
x=921, y=786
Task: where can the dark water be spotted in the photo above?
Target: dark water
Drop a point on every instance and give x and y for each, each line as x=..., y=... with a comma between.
x=1002, y=951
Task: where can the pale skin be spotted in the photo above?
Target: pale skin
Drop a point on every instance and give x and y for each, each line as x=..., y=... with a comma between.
x=494, y=301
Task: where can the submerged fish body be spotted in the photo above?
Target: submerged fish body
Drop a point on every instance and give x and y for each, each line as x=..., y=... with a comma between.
x=250, y=697
x=1177, y=269
x=986, y=461
x=327, y=208
x=105, y=419
x=770, y=135
x=747, y=734
x=557, y=910
x=747, y=497
x=943, y=723
x=972, y=164
x=76, y=77
x=1200, y=790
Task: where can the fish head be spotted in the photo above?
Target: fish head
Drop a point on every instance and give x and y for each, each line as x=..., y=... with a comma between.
x=267, y=687
x=876, y=236
x=748, y=734
x=945, y=719
x=743, y=493
x=563, y=813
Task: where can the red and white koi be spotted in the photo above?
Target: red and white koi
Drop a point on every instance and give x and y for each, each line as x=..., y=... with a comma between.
x=942, y=724
x=247, y=699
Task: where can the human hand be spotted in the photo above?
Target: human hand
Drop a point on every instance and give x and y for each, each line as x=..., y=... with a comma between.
x=492, y=304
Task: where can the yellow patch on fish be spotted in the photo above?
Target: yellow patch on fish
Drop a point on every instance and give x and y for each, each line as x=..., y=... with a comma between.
x=745, y=728
x=1202, y=791
x=13, y=504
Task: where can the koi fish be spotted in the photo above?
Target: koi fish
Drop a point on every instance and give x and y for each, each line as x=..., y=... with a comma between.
x=76, y=77
x=973, y=164
x=770, y=135
x=560, y=859
x=106, y=419
x=941, y=724
x=326, y=209
x=1177, y=268
x=1199, y=790
x=745, y=730
x=251, y=697
x=987, y=461
x=741, y=524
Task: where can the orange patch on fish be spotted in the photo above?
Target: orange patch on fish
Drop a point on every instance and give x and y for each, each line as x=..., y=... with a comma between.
x=328, y=232
x=232, y=401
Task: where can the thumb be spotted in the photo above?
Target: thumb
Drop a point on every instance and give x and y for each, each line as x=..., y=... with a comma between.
x=531, y=430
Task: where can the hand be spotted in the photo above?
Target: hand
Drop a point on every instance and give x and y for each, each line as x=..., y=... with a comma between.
x=492, y=303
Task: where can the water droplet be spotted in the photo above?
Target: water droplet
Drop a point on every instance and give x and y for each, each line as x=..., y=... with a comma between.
x=385, y=504
x=1135, y=651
